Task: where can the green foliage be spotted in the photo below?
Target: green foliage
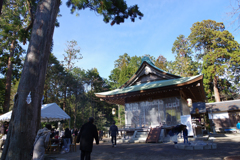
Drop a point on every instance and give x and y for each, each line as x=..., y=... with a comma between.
x=114, y=78
x=16, y=60
x=100, y=120
x=161, y=62
x=15, y=27
x=184, y=65
x=81, y=103
x=2, y=93
x=119, y=118
x=13, y=92
x=217, y=48
x=16, y=20
x=124, y=69
x=72, y=54
x=115, y=11
x=170, y=67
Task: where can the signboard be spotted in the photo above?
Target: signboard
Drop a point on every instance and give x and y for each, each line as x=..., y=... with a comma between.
x=186, y=120
x=218, y=115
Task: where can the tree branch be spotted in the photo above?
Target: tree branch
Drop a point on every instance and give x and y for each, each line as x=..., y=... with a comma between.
x=32, y=19
x=31, y=14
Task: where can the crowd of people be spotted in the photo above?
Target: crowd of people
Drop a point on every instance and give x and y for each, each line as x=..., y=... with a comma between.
x=48, y=134
x=85, y=137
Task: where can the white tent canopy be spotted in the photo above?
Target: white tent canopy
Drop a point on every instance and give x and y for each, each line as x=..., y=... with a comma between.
x=49, y=113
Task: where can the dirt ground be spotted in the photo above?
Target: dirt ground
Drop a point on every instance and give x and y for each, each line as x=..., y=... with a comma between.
x=227, y=145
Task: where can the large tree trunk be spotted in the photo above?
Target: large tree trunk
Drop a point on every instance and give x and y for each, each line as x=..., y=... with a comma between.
x=26, y=117
x=215, y=89
x=9, y=78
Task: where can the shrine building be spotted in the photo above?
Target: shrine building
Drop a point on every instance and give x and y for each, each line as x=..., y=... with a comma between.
x=153, y=97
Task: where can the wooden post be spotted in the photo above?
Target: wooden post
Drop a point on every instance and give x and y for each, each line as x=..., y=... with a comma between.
x=119, y=118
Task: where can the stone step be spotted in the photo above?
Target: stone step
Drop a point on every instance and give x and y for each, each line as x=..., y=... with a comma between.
x=142, y=133
x=142, y=136
x=137, y=141
x=122, y=140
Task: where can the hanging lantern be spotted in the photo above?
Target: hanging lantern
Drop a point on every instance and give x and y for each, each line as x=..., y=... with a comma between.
x=189, y=102
x=113, y=111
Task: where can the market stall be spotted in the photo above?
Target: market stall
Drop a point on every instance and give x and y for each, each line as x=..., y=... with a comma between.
x=49, y=113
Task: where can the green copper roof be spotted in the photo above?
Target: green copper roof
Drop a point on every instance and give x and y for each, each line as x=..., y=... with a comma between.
x=149, y=61
x=149, y=85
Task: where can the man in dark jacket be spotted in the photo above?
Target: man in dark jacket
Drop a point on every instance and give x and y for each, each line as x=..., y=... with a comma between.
x=185, y=134
x=87, y=133
x=113, y=132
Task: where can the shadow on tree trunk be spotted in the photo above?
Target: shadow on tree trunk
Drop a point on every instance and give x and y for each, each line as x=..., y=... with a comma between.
x=25, y=118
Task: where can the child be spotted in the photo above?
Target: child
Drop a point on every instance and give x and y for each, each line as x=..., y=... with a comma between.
x=185, y=134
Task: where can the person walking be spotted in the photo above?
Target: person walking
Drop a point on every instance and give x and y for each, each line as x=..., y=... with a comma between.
x=113, y=132
x=87, y=133
x=100, y=133
x=41, y=142
x=76, y=132
x=185, y=134
x=67, y=140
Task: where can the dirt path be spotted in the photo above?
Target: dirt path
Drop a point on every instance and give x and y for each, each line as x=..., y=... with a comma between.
x=227, y=146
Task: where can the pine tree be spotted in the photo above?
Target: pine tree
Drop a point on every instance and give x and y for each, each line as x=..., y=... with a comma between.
x=15, y=24
x=26, y=117
x=184, y=65
x=218, y=50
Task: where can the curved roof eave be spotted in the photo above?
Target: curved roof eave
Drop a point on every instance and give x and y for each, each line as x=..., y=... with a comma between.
x=151, y=85
x=136, y=73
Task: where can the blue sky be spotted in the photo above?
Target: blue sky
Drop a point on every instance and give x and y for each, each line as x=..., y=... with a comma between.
x=164, y=20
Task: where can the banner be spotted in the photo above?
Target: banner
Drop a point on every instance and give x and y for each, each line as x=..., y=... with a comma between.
x=186, y=120
x=218, y=115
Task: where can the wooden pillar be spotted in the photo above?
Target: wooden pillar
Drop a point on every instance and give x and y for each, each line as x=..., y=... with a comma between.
x=119, y=118
x=144, y=111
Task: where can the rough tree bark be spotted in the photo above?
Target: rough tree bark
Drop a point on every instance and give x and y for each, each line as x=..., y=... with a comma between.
x=215, y=89
x=26, y=117
x=9, y=78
